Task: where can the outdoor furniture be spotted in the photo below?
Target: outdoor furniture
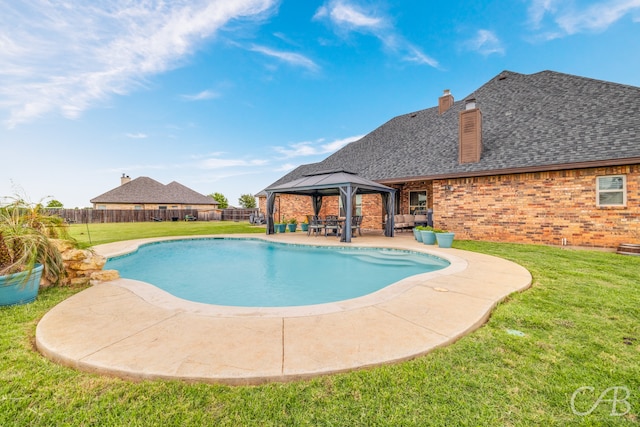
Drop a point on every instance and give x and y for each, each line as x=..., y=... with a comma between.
x=315, y=225
x=331, y=225
x=189, y=218
x=257, y=218
x=356, y=221
x=420, y=219
x=403, y=222
x=156, y=219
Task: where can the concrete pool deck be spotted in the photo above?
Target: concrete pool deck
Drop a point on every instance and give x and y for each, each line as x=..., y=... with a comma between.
x=133, y=330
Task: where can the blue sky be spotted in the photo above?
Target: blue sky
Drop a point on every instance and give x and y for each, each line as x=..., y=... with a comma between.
x=227, y=96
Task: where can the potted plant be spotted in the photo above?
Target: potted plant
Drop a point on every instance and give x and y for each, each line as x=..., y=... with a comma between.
x=416, y=233
x=428, y=235
x=27, y=251
x=304, y=226
x=293, y=224
x=444, y=238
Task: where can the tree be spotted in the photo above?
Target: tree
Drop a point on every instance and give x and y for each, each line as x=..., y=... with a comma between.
x=54, y=204
x=247, y=201
x=223, y=203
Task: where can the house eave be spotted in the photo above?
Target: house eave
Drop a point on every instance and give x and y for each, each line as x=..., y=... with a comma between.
x=508, y=171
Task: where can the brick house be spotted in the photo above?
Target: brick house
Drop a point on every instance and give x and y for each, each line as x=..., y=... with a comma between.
x=545, y=158
x=144, y=193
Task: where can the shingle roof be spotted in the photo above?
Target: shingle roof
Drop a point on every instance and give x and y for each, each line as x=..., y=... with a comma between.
x=147, y=190
x=541, y=120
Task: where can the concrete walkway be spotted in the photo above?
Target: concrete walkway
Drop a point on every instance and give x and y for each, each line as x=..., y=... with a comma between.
x=134, y=330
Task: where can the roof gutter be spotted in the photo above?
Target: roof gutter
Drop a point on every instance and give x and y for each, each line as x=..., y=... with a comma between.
x=509, y=171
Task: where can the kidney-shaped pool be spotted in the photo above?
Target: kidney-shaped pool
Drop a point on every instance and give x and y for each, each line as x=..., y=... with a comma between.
x=255, y=273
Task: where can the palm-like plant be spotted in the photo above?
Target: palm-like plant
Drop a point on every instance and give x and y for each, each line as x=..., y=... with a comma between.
x=26, y=231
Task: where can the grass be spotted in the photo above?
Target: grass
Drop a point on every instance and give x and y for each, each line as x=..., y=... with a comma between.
x=580, y=325
x=98, y=234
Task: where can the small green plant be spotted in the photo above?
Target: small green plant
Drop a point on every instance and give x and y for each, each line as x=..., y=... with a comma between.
x=429, y=228
x=26, y=233
x=293, y=221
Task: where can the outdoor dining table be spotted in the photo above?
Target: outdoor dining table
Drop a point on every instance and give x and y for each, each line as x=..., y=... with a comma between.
x=339, y=222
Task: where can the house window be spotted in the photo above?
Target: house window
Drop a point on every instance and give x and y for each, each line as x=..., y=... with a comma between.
x=102, y=207
x=162, y=207
x=137, y=207
x=417, y=201
x=174, y=207
x=611, y=190
x=357, y=208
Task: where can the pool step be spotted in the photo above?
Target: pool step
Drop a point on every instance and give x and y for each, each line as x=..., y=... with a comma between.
x=389, y=258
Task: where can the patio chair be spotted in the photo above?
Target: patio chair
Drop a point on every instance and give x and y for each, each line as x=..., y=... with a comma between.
x=356, y=221
x=331, y=225
x=189, y=218
x=315, y=225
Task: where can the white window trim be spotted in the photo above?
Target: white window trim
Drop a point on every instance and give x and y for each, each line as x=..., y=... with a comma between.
x=357, y=206
x=417, y=207
x=623, y=189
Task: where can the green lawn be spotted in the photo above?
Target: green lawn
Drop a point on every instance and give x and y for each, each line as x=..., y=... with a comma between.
x=581, y=328
x=97, y=234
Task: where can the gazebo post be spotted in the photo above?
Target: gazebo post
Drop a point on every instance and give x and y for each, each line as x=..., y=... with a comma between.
x=271, y=197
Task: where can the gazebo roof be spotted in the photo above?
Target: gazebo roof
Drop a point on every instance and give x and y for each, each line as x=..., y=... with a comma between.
x=328, y=183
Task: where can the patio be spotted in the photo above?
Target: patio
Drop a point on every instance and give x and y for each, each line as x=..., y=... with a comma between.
x=133, y=330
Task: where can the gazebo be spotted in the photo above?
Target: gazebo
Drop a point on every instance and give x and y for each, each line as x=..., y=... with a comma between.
x=333, y=183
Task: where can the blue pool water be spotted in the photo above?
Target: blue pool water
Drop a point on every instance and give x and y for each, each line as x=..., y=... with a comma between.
x=254, y=273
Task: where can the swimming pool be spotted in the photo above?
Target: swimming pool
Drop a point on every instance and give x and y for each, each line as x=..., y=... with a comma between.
x=255, y=273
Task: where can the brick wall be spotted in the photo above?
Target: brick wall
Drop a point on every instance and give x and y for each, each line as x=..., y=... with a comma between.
x=539, y=208
x=290, y=205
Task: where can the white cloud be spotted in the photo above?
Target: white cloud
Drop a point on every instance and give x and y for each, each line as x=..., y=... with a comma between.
x=286, y=167
x=308, y=148
x=343, y=13
x=138, y=135
x=538, y=9
x=291, y=58
x=486, y=43
x=346, y=16
x=416, y=55
x=202, y=96
x=597, y=17
x=568, y=18
x=67, y=56
x=217, y=163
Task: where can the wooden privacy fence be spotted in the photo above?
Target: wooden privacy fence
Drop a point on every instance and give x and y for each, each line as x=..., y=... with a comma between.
x=88, y=216
x=85, y=216
x=237, y=214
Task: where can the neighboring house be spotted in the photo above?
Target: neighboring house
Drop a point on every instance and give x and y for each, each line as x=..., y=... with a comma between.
x=146, y=193
x=545, y=158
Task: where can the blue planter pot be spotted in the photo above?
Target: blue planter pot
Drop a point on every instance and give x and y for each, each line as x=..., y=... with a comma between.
x=292, y=227
x=17, y=289
x=280, y=228
x=418, y=235
x=445, y=240
x=428, y=237
x=304, y=227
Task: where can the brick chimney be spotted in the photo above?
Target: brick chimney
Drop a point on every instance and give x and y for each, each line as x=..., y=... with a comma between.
x=470, y=133
x=124, y=179
x=445, y=102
